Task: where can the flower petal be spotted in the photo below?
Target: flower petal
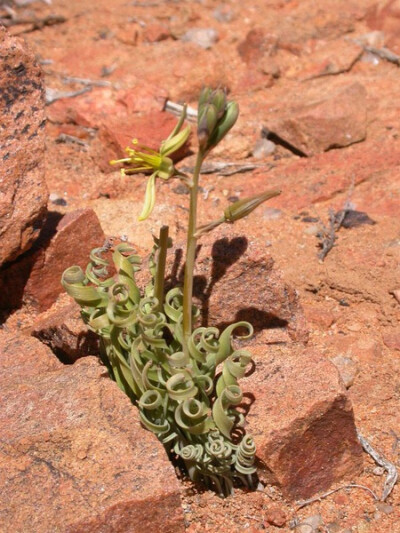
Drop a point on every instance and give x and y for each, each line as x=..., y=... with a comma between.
x=150, y=197
x=174, y=143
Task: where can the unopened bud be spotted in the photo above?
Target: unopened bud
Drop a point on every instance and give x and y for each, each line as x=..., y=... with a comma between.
x=225, y=123
x=207, y=120
x=242, y=208
x=204, y=97
x=218, y=99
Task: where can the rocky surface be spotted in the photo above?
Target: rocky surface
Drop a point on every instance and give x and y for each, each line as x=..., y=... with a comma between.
x=23, y=191
x=271, y=56
x=61, y=328
x=305, y=435
x=74, y=456
x=35, y=278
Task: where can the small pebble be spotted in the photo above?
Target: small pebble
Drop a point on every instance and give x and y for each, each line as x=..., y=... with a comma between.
x=378, y=471
x=263, y=148
x=275, y=516
x=203, y=37
x=310, y=524
x=223, y=13
x=385, y=507
x=311, y=230
x=347, y=368
x=271, y=213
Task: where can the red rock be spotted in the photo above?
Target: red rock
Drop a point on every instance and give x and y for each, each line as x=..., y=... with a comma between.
x=23, y=191
x=22, y=357
x=63, y=330
x=319, y=315
x=35, y=278
x=327, y=58
x=302, y=422
x=314, y=126
x=92, y=108
x=307, y=181
x=385, y=15
x=75, y=458
x=275, y=516
x=257, y=44
x=154, y=33
x=392, y=340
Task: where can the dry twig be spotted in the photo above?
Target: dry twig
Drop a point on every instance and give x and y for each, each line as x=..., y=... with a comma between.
x=37, y=23
x=303, y=503
x=52, y=94
x=392, y=475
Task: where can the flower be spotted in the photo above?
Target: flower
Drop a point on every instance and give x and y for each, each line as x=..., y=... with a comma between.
x=145, y=159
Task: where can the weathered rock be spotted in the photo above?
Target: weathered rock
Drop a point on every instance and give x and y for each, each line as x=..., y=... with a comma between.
x=311, y=127
x=75, y=458
x=302, y=422
x=257, y=44
x=203, y=37
x=35, y=277
x=236, y=280
x=23, y=192
x=22, y=357
x=326, y=58
x=385, y=15
x=347, y=369
x=63, y=330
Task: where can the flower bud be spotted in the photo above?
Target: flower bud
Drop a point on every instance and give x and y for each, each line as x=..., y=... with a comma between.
x=242, y=208
x=218, y=99
x=224, y=124
x=204, y=97
x=207, y=120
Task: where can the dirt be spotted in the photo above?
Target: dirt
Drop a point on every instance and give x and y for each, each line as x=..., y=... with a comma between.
x=349, y=297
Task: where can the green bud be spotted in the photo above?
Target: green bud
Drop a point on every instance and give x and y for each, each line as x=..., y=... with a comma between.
x=206, y=120
x=224, y=124
x=204, y=97
x=218, y=99
x=242, y=208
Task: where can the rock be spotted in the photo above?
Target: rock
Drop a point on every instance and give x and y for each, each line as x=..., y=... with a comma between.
x=64, y=241
x=22, y=357
x=392, y=339
x=327, y=58
x=310, y=524
x=385, y=16
x=329, y=122
x=75, y=458
x=275, y=516
x=257, y=44
x=154, y=33
x=23, y=191
x=347, y=369
x=263, y=148
x=203, y=37
x=62, y=329
x=301, y=420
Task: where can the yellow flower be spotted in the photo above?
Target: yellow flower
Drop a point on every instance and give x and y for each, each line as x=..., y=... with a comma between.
x=159, y=163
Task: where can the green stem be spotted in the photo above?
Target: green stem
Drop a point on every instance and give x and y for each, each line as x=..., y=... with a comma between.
x=160, y=269
x=190, y=254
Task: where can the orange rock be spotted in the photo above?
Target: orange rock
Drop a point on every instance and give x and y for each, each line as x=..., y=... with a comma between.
x=23, y=191
x=88, y=465
x=302, y=422
x=36, y=277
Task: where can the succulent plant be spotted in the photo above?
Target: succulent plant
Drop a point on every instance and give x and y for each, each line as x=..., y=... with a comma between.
x=184, y=380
